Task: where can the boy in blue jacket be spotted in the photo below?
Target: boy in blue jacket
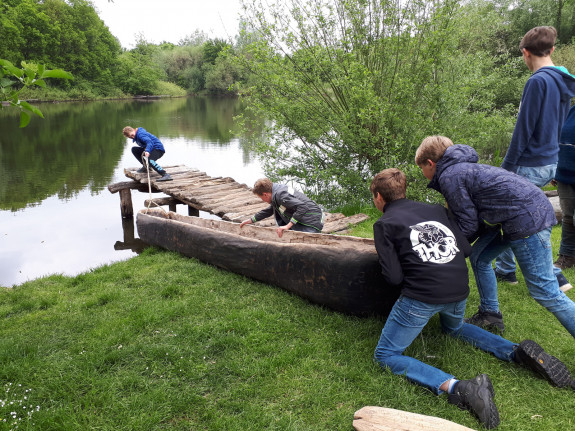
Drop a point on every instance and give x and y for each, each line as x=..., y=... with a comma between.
x=500, y=210
x=534, y=147
x=149, y=146
x=421, y=249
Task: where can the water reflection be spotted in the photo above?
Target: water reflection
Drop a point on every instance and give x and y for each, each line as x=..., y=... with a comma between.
x=56, y=214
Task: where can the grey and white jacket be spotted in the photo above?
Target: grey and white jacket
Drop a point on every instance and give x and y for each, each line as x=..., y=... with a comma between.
x=291, y=205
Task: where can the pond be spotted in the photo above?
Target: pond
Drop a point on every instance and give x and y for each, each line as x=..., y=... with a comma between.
x=56, y=213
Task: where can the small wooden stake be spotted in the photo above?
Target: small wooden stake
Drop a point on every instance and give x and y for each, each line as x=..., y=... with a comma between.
x=126, y=206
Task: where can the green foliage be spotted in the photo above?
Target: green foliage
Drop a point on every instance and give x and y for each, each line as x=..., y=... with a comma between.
x=14, y=79
x=221, y=76
x=61, y=34
x=136, y=75
x=353, y=87
x=212, y=48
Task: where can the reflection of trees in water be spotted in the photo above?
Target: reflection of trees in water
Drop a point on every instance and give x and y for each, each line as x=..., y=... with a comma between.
x=79, y=145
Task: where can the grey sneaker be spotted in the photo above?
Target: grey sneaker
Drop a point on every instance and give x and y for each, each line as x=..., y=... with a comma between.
x=531, y=355
x=491, y=321
x=142, y=170
x=476, y=395
x=166, y=177
x=564, y=284
x=510, y=278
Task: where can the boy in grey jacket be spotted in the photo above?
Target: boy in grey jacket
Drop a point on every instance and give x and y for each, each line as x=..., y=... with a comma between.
x=292, y=209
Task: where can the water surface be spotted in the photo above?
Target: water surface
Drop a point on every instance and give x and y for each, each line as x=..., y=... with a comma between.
x=56, y=213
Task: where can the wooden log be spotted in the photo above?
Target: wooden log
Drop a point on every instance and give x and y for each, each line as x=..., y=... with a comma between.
x=551, y=193
x=170, y=201
x=557, y=208
x=130, y=185
x=384, y=419
x=244, y=209
x=341, y=273
x=344, y=223
x=126, y=208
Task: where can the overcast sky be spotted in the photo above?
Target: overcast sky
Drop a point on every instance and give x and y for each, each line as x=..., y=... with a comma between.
x=168, y=20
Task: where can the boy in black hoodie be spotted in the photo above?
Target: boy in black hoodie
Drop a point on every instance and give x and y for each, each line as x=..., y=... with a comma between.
x=422, y=250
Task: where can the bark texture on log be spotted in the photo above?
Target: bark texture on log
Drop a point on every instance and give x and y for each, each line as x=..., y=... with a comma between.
x=340, y=273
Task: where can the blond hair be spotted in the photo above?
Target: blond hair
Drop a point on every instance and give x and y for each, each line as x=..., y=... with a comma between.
x=390, y=184
x=432, y=148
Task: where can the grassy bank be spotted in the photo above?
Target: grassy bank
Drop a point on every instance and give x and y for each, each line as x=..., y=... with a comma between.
x=165, y=342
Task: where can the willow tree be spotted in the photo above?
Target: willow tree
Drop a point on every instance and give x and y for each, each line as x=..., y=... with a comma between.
x=352, y=86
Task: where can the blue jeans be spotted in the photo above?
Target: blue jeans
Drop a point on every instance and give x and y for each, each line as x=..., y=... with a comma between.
x=567, y=202
x=536, y=262
x=406, y=320
x=540, y=176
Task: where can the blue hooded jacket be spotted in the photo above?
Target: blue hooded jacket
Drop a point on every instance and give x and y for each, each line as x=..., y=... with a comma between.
x=544, y=105
x=482, y=195
x=147, y=141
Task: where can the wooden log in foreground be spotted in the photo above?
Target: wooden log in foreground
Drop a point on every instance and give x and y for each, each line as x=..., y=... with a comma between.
x=383, y=419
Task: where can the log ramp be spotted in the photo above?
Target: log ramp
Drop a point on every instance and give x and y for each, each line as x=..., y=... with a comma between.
x=220, y=196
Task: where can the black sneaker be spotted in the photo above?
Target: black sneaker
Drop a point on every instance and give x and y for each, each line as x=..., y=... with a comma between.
x=506, y=278
x=564, y=261
x=531, y=355
x=564, y=284
x=476, y=395
x=491, y=321
x=165, y=177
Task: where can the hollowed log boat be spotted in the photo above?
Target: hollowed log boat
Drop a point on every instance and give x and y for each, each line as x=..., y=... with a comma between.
x=341, y=273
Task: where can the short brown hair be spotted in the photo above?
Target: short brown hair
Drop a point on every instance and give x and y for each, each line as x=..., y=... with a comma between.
x=432, y=148
x=539, y=41
x=127, y=130
x=263, y=185
x=390, y=184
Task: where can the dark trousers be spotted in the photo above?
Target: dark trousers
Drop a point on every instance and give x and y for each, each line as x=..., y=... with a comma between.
x=154, y=155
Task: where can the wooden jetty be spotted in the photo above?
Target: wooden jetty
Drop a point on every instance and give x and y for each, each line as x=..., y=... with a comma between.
x=220, y=196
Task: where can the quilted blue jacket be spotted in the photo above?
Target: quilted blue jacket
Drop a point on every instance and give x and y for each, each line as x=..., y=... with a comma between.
x=485, y=196
x=147, y=141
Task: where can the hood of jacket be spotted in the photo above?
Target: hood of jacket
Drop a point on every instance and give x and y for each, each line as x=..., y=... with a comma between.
x=455, y=154
x=565, y=81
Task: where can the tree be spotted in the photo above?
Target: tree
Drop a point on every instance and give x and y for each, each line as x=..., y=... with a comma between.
x=14, y=79
x=351, y=87
x=60, y=34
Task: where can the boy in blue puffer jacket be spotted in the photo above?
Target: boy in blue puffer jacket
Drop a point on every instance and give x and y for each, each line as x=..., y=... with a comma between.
x=149, y=146
x=500, y=210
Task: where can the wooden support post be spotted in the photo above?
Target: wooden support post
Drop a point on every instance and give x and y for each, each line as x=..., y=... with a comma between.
x=172, y=207
x=126, y=207
x=194, y=212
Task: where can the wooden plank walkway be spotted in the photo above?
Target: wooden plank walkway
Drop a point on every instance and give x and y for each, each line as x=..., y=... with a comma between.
x=221, y=196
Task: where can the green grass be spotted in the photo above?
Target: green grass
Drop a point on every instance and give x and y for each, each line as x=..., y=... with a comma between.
x=163, y=342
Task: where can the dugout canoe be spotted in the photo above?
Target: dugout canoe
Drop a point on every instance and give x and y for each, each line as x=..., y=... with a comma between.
x=341, y=273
